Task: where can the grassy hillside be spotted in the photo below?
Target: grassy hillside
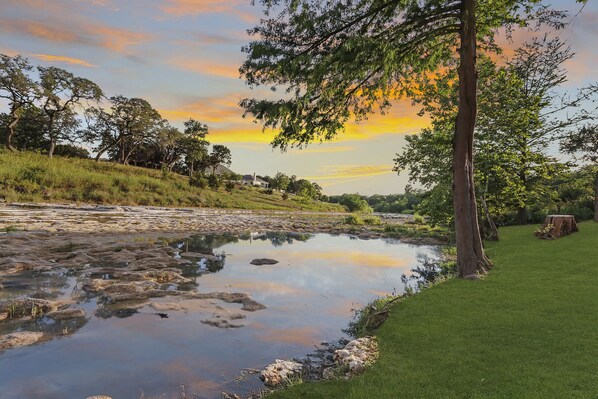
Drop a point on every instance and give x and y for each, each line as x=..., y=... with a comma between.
x=29, y=177
x=528, y=330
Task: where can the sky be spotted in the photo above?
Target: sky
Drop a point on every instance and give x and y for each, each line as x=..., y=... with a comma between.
x=183, y=57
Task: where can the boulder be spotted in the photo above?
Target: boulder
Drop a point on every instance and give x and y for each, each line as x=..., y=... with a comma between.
x=280, y=371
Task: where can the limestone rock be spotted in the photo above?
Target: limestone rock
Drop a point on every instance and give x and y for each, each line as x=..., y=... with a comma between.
x=357, y=354
x=18, y=339
x=280, y=371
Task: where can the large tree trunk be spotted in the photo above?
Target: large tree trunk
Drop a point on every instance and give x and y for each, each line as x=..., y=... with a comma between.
x=11, y=132
x=52, y=147
x=596, y=198
x=471, y=259
x=51, y=136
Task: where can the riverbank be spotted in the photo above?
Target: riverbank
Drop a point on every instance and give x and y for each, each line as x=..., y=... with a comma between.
x=31, y=177
x=527, y=330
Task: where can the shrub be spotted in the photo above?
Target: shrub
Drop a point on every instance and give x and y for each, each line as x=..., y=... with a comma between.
x=354, y=220
x=229, y=186
x=213, y=182
x=268, y=191
x=418, y=219
x=285, y=196
x=197, y=180
x=372, y=220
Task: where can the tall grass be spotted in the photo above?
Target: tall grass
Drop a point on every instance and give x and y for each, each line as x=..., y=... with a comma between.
x=30, y=177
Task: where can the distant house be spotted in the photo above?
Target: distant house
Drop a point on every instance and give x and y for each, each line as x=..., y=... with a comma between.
x=253, y=180
x=218, y=171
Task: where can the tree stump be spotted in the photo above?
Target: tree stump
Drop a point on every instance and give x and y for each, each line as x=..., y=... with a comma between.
x=562, y=225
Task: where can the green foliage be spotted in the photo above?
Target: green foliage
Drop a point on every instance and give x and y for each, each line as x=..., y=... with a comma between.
x=72, y=151
x=354, y=220
x=229, y=186
x=214, y=182
x=353, y=203
x=514, y=176
x=198, y=180
x=372, y=220
x=285, y=196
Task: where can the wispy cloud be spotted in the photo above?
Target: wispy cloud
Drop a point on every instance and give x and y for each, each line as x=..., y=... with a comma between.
x=206, y=67
x=322, y=149
x=181, y=8
x=336, y=172
x=94, y=35
x=63, y=60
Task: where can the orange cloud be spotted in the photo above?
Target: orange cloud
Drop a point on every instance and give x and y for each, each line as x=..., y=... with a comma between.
x=181, y=8
x=94, y=35
x=64, y=60
x=353, y=171
x=208, y=68
x=185, y=7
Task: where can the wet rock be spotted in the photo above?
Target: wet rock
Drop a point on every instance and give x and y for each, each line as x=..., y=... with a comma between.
x=263, y=261
x=221, y=323
x=357, y=354
x=280, y=371
x=66, y=314
x=18, y=339
x=21, y=307
x=161, y=307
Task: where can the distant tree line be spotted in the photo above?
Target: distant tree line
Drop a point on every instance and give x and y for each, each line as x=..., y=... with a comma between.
x=51, y=110
x=293, y=185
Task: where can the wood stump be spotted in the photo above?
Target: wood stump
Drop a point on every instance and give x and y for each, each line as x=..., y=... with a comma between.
x=562, y=225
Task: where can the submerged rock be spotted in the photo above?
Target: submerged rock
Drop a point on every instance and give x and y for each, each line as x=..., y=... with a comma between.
x=280, y=371
x=18, y=339
x=263, y=261
x=66, y=314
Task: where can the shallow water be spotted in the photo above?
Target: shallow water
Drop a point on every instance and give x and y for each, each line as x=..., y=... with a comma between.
x=309, y=296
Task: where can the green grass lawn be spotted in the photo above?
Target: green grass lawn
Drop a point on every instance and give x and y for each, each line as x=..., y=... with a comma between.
x=30, y=177
x=528, y=330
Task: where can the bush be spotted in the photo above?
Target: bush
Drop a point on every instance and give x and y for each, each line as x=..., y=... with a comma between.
x=268, y=191
x=372, y=220
x=71, y=151
x=213, y=182
x=418, y=219
x=229, y=186
x=285, y=196
x=198, y=180
x=354, y=203
x=354, y=220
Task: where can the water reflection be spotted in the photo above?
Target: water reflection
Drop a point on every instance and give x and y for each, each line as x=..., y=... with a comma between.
x=309, y=295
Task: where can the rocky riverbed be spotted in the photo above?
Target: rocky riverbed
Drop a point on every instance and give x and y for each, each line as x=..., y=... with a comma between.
x=129, y=219
x=64, y=267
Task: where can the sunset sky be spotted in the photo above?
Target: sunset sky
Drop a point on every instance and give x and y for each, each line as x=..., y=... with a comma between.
x=183, y=57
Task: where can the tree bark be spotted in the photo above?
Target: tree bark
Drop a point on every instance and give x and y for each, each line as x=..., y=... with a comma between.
x=52, y=137
x=471, y=259
x=52, y=147
x=11, y=132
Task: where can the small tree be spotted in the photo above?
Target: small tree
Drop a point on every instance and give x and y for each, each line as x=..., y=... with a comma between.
x=220, y=155
x=584, y=143
x=195, y=145
x=280, y=181
x=61, y=92
x=18, y=88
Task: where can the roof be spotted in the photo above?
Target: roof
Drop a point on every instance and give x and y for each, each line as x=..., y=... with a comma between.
x=219, y=170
